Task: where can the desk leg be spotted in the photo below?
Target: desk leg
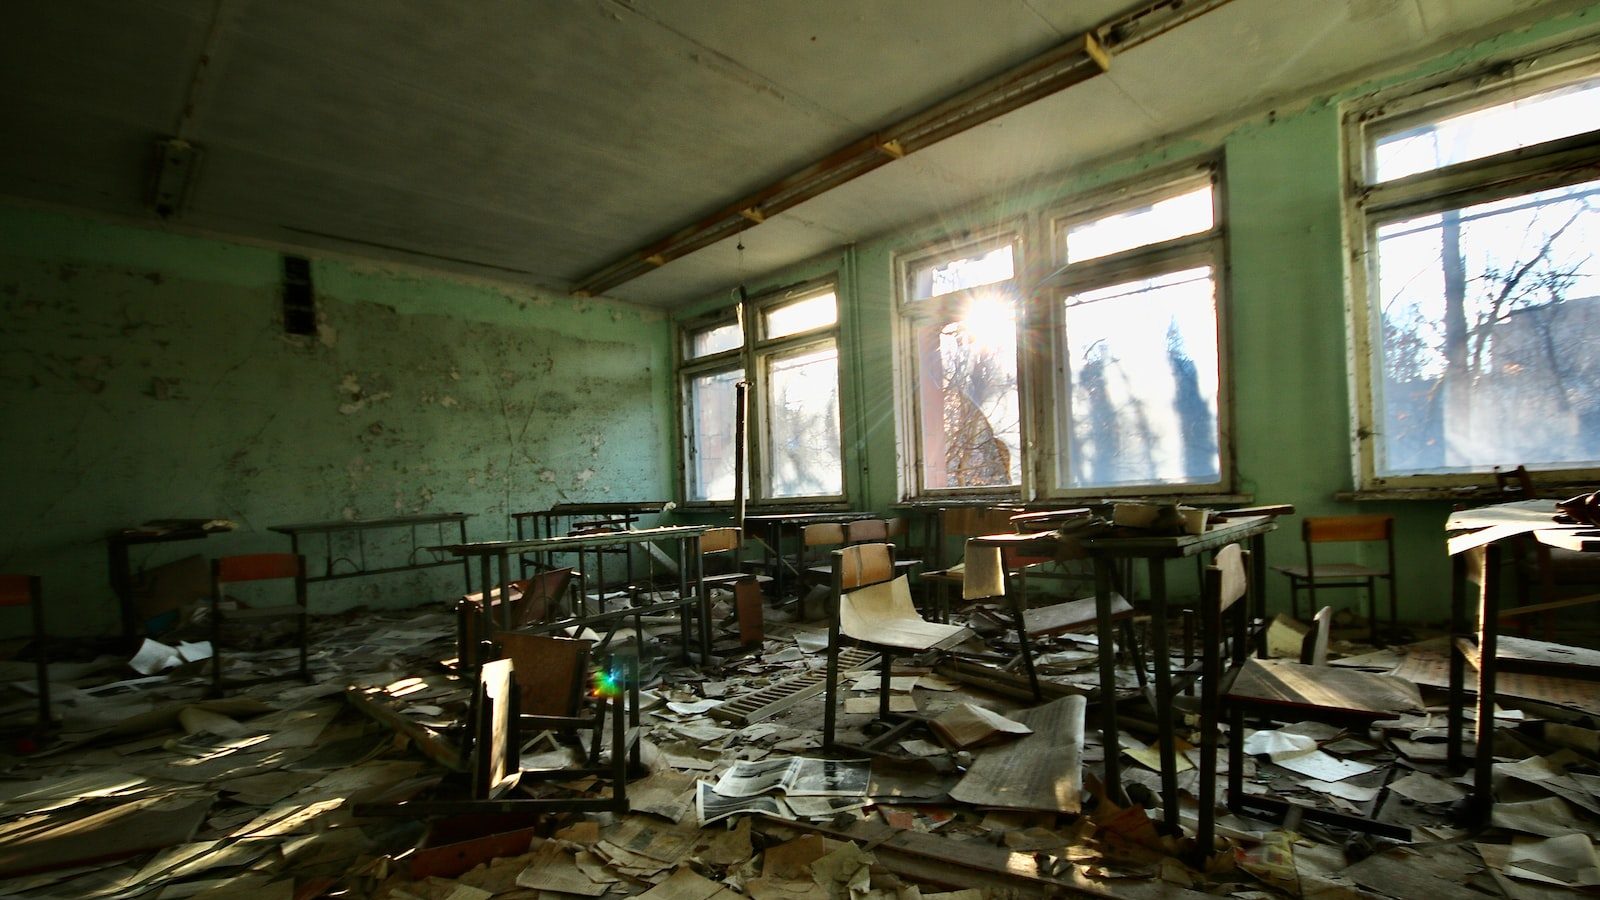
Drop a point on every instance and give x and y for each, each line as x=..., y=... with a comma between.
x=1458, y=666
x=1258, y=589
x=1108, y=680
x=1488, y=645
x=1166, y=735
x=122, y=585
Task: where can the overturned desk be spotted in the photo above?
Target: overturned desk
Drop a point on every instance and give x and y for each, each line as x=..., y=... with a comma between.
x=776, y=525
x=358, y=565
x=494, y=569
x=1107, y=552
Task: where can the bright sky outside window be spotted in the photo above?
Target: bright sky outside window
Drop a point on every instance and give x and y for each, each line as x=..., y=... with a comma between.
x=940, y=277
x=1561, y=112
x=801, y=316
x=709, y=341
x=803, y=451
x=1143, y=365
x=1172, y=217
x=712, y=404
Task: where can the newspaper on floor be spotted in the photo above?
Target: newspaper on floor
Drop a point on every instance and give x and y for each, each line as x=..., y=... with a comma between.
x=712, y=806
x=799, y=776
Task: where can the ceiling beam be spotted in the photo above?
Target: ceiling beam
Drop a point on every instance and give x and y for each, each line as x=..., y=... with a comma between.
x=1069, y=63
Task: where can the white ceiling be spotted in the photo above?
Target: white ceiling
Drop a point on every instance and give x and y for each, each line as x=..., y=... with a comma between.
x=537, y=140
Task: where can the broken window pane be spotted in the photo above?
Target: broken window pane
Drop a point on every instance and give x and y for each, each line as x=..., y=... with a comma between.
x=802, y=449
x=1490, y=318
x=802, y=315
x=712, y=411
x=1546, y=116
x=946, y=276
x=967, y=397
x=1142, y=363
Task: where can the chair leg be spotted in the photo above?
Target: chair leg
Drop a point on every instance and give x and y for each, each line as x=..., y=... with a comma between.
x=1130, y=643
x=41, y=660
x=1372, y=606
x=305, y=667
x=216, y=647
x=1015, y=596
x=883, y=684
x=1235, y=757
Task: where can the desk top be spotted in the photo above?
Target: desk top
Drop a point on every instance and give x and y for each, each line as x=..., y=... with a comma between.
x=364, y=524
x=1218, y=534
x=1470, y=528
x=623, y=507
x=574, y=541
x=159, y=530
x=806, y=518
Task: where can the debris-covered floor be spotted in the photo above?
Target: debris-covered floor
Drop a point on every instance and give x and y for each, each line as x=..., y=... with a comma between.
x=150, y=790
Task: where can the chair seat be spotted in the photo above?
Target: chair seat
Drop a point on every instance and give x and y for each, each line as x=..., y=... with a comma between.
x=883, y=615
x=1330, y=570
x=1323, y=689
x=1073, y=614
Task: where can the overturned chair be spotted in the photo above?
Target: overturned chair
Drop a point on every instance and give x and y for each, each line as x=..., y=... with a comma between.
x=873, y=608
x=497, y=725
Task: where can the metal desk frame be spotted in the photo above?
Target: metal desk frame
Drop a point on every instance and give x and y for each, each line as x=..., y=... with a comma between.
x=595, y=517
x=120, y=565
x=494, y=558
x=1156, y=551
x=775, y=523
x=359, y=527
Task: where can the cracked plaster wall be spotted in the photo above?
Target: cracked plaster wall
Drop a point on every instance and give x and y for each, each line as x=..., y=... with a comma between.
x=146, y=375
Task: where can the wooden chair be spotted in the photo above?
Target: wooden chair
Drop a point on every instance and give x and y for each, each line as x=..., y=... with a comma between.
x=876, y=531
x=1314, y=576
x=1543, y=574
x=721, y=569
x=26, y=590
x=962, y=522
x=872, y=607
x=817, y=542
x=1235, y=686
x=532, y=600
x=256, y=567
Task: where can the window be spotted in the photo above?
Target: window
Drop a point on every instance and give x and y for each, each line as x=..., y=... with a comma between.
x=1475, y=214
x=1137, y=397
x=789, y=341
x=958, y=315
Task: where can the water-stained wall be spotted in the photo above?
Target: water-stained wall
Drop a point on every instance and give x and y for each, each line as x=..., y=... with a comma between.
x=147, y=375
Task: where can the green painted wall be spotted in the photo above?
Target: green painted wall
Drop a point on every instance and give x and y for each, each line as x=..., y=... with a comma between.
x=1286, y=316
x=146, y=375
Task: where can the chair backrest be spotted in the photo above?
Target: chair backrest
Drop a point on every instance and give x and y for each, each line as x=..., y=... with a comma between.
x=552, y=673
x=862, y=531
x=1314, y=646
x=896, y=527
x=1333, y=529
x=257, y=567
x=822, y=534
x=1516, y=484
x=862, y=564
x=1227, y=577
x=720, y=540
x=18, y=590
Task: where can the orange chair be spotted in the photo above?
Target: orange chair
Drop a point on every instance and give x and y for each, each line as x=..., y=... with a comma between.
x=256, y=567
x=1313, y=576
x=24, y=590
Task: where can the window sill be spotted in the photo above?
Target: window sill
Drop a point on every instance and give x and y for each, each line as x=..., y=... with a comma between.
x=1465, y=494
x=1086, y=500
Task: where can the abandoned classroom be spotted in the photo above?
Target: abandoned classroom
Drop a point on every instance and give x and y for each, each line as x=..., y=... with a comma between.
x=948, y=449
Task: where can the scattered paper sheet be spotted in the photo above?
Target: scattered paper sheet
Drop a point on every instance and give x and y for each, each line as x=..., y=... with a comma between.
x=1351, y=792
x=1568, y=860
x=898, y=703
x=968, y=725
x=1042, y=771
x=1323, y=767
x=153, y=657
x=1550, y=816
x=1278, y=744
x=554, y=869
x=692, y=709
x=1425, y=788
x=984, y=576
x=896, y=682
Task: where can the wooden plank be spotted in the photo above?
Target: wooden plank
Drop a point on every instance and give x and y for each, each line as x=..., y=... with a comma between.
x=427, y=743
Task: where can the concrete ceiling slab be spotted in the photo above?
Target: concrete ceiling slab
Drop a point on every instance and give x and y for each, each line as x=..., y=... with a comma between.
x=539, y=141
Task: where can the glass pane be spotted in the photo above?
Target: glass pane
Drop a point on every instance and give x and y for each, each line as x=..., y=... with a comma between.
x=1142, y=358
x=1562, y=112
x=935, y=279
x=803, y=423
x=971, y=432
x=1173, y=217
x=802, y=315
x=716, y=339
x=1490, y=318
x=712, y=411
